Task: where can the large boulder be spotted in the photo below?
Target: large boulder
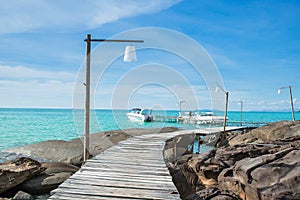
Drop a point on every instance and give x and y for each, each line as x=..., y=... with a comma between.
x=265, y=177
x=271, y=132
x=52, y=150
x=15, y=172
x=55, y=173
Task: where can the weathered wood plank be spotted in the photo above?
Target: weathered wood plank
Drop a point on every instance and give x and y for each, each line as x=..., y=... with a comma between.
x=128, y=164
x=119, y=192
x=152, y=180
x=99, y=175
x=118, y=167
x=167, y=186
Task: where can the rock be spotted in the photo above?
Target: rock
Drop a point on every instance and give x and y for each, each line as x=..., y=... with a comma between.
x=168, y=129
x=56, y=167
x=177, y=147
x=22, y=196
x=181, y=183
x=15, y=172
x=268, y=170
x=43, y=184
x=271, y=132
x=213, y=194
x=266, y=176
x=53, y=150
x=54, y=174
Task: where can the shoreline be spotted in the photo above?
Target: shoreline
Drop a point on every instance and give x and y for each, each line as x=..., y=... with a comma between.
x=36, y=184
x=197, y=175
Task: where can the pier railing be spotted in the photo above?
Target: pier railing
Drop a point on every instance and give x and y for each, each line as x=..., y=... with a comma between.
x=246, y=123
x=175, y=119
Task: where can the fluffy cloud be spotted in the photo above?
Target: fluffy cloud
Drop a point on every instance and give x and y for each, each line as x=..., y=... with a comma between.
x=25, y=87
x=31, y=15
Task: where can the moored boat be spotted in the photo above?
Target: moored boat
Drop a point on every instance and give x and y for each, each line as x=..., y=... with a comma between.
x=140, y=115
x=202, y=118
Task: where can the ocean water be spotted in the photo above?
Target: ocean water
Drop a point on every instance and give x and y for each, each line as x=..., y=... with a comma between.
x=26, y=126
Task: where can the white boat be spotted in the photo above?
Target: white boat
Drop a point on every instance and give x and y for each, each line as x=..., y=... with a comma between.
x=140, y=115
x=202, y=118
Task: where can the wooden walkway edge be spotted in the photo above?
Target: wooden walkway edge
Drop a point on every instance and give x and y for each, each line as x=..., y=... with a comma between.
x=132, y=169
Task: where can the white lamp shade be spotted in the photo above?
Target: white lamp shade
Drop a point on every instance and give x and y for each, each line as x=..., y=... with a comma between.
x=130, y=54
x=217, y=89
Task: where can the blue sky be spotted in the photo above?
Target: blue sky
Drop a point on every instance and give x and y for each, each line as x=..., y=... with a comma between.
x=254, y=44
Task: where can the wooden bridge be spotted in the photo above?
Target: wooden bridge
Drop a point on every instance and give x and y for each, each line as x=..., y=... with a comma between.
x=132, y=169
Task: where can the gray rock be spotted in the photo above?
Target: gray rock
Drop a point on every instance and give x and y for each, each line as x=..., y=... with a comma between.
x=22, y=196
x=56, y=167
x=55, y=173
x=269, y=170
x=43, y=184
x=15, y=172
x=271, y=132
x=54, y=150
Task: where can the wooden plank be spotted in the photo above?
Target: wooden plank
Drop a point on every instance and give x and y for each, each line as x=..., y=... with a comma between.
x=118, y=166
x=119, y=192
x=99, y=175
x=124, y=184
x=126, y=171
x=152, y=180
x=70, y=196
x=128, y=164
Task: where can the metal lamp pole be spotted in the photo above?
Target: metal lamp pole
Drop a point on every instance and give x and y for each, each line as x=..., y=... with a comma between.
x=241, y=113
x=291, y=99
x=88, y=41
x=226, y=106
x=180, y=102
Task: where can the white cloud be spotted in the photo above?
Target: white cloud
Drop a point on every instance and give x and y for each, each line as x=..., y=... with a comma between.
x=31, y=15
x=25, y=87
x=21, y=72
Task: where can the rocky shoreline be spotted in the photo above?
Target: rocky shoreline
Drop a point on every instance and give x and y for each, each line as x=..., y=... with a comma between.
x=262, y=164
x=45, y=165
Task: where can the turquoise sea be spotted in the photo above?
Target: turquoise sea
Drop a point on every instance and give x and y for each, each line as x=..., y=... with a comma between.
x=25, y=126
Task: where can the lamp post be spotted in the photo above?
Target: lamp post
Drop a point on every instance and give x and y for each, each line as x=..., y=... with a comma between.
x=241, y=113
x=291, y=99
x=128, y=57
x=226, y=107
x=180, y=108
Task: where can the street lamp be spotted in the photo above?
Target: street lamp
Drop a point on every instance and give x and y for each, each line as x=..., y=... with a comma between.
x=180, y=108
x=291, y=99
x=226, y=106
x=241, y=113
x=129, y=56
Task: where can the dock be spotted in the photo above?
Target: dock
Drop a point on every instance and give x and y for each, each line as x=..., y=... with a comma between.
x=132, y=169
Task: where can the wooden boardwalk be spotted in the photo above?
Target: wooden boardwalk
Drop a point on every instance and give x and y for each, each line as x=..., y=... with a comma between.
x=132, y=169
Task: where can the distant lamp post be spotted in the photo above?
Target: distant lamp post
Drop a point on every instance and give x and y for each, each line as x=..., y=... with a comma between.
x=180, y=107
x=129, y=56
x=241, y=113
x=226, y=106
x=291, y=99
